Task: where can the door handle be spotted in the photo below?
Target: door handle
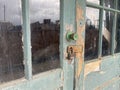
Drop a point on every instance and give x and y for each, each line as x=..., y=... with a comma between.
x=71, y=36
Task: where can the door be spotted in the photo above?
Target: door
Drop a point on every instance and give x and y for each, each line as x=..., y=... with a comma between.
x=101, y=71
x=35, y=36
x=59, y=45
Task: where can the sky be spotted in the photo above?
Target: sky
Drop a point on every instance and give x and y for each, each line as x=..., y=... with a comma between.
x=39, y=10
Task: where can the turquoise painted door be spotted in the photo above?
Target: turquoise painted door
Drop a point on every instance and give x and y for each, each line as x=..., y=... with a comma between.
x=102, y=59
x=34, y=45
x=59, y=45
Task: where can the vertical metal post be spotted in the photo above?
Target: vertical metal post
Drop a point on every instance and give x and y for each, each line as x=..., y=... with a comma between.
x=100, y=29
x=27, y=39
x=61, y=33
x=4, y=13
x=113, y=34
x=67, y=24
x=113, y=43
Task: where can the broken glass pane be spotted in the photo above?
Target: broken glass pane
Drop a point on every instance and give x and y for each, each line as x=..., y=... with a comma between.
x=11, y=51
x=91, y=33
x=45, y=31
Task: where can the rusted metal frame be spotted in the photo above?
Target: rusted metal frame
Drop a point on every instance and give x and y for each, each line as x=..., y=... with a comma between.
x=26, y=39
x=101, y=7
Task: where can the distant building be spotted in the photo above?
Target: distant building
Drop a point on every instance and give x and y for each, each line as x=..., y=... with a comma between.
x=47, y=21
x=6, y=26
x=58, y=22
x=46, y=25
x=35, y=26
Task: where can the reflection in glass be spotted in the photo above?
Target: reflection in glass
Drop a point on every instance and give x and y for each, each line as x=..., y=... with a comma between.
x=107, y=29
x=92, y=33
x=45, y=30
x=94, y=1
x=118, y=4
x=117, y=44
x=110, y=3
x=11, y=51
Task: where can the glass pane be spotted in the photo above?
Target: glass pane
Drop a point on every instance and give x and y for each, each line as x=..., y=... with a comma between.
x=118, y=5
x=11, y=51
x=109, y=3
x=117, y=44
x=107, y=29
x=94, y=1
x=92, y=33
x=45, y=30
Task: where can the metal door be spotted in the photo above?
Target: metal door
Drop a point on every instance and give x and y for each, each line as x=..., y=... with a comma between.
x=102, y=60
x=60, y=78
x=84, y=63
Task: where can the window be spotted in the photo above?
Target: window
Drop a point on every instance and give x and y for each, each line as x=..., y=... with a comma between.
x=45, y=32
x=15, y=38
x=11, y=51
x=92, y=33
x=102, y=37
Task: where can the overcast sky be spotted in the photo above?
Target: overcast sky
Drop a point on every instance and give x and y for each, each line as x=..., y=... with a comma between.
x=39, y=10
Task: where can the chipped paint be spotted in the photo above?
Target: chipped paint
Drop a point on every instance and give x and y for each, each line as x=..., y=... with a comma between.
x=69, y=27
x=92, y=67
x=80, y=41
x=101, y=87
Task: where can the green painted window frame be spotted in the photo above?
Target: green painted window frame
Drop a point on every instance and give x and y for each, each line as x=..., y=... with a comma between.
x=101, y=7
x=64, y=76
x=26, y=39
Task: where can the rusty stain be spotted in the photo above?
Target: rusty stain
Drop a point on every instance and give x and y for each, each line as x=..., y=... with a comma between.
x=101, y=87
x=80, y=41
x=76, y=51
x=75, y=48
x=92, y=67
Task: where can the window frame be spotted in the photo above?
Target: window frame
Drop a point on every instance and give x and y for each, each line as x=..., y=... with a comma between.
x=103, y=8
x=27, y=40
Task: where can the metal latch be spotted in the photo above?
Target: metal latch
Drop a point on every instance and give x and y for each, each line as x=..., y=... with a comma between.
x=73, y=50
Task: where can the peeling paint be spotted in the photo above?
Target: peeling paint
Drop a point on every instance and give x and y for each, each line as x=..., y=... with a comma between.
x=92, y=67
x=69, y=27
x=101, y=87
x=80, y=41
